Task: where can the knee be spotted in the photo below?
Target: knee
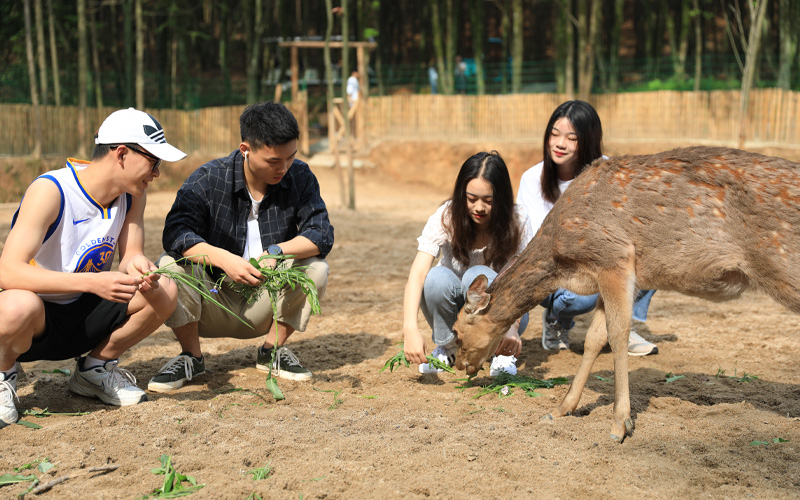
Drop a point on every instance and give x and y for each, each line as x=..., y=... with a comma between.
x=441, y=281
x=474, y=272
x=165, y=299
x=19, y=310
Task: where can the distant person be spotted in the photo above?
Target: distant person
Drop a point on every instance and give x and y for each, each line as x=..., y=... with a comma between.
x=461, y=75
x=60, y=298
x=477, y=231
x=352, y=89
x=433, y=79
x=258, y=201
x=573, y=139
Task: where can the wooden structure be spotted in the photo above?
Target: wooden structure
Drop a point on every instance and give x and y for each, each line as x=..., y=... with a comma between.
x=362, y=57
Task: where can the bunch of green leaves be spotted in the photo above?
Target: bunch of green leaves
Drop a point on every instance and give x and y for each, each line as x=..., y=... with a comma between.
x=196, y=283
x=336, y=400
x=47, y=413
x=173, y=484
x=400, y=359
x=777, y=440
x=276, y=278
x=261, y=472
x=504, y=384
x=744, y=378
x=15, y=478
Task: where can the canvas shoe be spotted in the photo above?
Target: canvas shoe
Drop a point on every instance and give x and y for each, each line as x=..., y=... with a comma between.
x=444, y=353
x=554, y=336
x=109, y=383
x=286, y=364
x=500, y=364
x=8, y=393
x=178, y=370
x=637, y=346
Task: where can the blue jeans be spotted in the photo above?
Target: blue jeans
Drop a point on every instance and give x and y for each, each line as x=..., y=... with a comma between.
x=565, y=305
x=443, y=296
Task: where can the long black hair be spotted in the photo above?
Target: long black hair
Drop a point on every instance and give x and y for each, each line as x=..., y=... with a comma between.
x=587, y=127
x=504, y=232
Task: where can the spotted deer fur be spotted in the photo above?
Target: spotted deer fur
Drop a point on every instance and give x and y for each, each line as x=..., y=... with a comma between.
x=704, y=221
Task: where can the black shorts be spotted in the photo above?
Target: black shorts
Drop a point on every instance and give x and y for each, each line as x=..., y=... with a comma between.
x=75, y=328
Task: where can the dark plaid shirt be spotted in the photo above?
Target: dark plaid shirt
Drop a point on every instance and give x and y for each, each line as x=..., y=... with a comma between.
x=213, y=203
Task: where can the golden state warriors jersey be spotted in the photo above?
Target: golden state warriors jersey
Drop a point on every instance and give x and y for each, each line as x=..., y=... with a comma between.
x=84, y=236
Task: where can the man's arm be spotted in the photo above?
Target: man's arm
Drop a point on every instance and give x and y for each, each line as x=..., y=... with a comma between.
x=38, y=211
x=314, y=226
x=131, y=245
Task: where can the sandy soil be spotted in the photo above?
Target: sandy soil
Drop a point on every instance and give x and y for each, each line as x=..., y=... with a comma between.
x=354, y=432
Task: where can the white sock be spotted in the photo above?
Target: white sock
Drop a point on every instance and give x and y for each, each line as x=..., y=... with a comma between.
x=90, y=362
x=8, y=373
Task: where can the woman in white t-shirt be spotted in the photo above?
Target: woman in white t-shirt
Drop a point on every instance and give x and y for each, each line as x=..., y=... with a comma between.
x=477, y=231
x=572, y=140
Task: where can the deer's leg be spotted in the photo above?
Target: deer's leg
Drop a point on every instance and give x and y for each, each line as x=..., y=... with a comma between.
x=596, y=339
x=617, y=290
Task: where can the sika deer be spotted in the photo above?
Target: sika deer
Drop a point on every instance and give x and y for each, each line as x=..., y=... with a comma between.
x=707, y=222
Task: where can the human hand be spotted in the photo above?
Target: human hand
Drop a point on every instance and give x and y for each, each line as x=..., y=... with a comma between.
x=143, y=267
x=414, y=346
x=114, y=286
x=510, y=344
x=241, y=270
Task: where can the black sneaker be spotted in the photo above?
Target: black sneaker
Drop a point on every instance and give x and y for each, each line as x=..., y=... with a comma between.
x=178, y=370
x=286, y=364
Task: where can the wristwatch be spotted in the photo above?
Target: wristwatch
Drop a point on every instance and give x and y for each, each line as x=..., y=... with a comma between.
x=274, y=250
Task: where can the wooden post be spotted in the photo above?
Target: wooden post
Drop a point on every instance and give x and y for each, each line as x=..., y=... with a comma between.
x=363, y=86
x=295, y=74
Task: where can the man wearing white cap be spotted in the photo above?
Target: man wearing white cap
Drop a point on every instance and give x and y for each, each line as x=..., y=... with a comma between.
x=60, y=298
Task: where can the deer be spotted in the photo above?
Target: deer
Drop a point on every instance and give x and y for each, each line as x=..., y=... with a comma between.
x=708, y=222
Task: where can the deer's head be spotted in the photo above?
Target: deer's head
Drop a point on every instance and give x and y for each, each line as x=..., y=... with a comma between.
x=478, y=336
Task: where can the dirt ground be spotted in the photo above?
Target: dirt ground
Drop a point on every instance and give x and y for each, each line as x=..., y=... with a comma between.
x=356, y=433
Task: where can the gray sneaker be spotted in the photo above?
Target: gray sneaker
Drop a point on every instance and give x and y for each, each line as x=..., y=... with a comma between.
x=286, y=364
x=109, y=383
x=178, y=370
x=638, y=346
x=554, y=336
x=8, y=393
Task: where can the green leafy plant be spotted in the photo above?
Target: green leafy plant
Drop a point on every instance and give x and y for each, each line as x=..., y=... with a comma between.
x=261, y=472
x=400, y=359
x=15, y=478
x=672, y=378
x=336, y=400
x=598, y=377
x=173, y=484
x=745, y=378
x=504, y=384
x=47, y=413
x=58, y=371
x=30, y=425
x=42, y=465
x=254, y=496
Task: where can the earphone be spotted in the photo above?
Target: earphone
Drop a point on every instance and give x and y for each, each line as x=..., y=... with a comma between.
x=245, y=155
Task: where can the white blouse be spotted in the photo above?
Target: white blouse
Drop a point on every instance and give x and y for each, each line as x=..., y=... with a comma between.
x=435, y=240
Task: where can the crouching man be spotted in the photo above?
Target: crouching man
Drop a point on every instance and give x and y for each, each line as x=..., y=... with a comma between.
x=258, y=201
x=60, y=298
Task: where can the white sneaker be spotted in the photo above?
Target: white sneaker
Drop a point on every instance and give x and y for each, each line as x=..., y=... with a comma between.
x=444, y=353
x=109, y=383
x=8, y=393
x=638, y=346
x=503, y=364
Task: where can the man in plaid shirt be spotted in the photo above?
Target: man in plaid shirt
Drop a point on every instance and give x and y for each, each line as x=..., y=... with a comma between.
x=257, y=201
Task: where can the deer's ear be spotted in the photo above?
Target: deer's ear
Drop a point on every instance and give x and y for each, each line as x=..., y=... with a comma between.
x=477, y=298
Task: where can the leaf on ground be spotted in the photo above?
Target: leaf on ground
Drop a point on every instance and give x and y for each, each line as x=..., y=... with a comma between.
x=15, y=478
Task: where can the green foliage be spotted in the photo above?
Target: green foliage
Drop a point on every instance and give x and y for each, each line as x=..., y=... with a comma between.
x=12, y=479
x=336, y=400
x=745, y=378
x=30, y=425
x=776, y=440
x=504, y=384
x=173, y=484
x=400, y=359
x=262, y=473
x=275, y=279
x=47, y=413
x=672, y=378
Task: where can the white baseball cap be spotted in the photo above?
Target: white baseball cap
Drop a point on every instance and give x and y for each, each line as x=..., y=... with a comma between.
x=131, y=126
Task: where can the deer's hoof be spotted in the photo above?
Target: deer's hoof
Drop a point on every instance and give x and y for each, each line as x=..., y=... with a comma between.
x=628, y=431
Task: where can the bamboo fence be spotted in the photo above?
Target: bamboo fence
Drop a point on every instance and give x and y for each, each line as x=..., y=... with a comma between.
x=664, y=116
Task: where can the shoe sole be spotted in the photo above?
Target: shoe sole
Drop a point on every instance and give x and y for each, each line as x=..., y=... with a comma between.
x=653, y=351
x=284, y=374
x=81, y=391
x=169, y=386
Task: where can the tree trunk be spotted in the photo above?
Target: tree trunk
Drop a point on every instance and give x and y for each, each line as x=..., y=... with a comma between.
x=613, y=58
x=83, y=70
x=333, y=141
x=254, y=54
x=477, y=15
x=139, y=54
x=751, y=55
x=41, y=48
x=516, y=47
x=222, y=50
x=127, y=27
x=569, y=43
x=98, y=84
x=54, y=53
x=698, y=44
x=505, y=26
x=37, y=118
x=351, y=176
x=788, y=26
x=588, y=23
x=438, y=47
x=450, y=45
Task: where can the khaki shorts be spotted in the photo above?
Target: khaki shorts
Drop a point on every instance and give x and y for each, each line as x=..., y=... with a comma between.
x=293, y=308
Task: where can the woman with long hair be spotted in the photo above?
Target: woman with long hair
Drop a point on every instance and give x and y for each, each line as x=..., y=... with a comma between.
x=477, y=231
x=573, y=139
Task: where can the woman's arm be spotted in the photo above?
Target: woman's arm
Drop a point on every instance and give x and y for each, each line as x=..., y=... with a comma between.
x=414, y=345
